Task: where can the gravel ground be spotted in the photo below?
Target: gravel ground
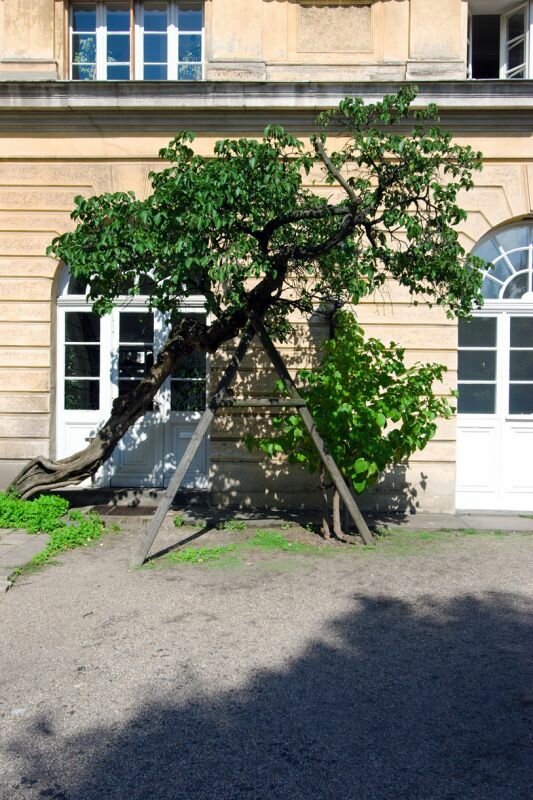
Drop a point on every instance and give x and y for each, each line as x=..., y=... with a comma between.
x=404, y=673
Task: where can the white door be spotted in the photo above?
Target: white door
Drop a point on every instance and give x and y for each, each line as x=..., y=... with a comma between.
x=495, y=405
x=100, y=359
x=495, y=419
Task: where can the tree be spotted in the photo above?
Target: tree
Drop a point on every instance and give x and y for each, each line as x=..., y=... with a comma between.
x=369, y=406
x=241, y=229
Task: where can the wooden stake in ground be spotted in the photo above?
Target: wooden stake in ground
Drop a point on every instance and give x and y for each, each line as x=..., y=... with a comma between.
x=196, y=439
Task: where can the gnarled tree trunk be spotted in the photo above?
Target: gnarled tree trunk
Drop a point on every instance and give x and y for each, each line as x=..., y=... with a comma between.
x=186, y=335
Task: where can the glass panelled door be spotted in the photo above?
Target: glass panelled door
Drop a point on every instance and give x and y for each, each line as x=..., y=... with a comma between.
x=101, y=359
x=138, y=458
x=495, y=412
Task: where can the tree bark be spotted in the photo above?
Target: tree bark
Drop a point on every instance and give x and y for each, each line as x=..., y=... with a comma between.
x=43, y=474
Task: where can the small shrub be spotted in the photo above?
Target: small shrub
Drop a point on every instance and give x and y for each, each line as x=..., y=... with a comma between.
x=179, y=521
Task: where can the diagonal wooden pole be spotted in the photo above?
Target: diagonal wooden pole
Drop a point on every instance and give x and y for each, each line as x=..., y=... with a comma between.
x=307, y=418
x=196, y=439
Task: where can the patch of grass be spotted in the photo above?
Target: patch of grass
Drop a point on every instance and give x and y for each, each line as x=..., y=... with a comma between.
x=234, y=525
x=230, y=555
x=272, y=540
x=179, y=521
x=199, y=555
x=391, y=542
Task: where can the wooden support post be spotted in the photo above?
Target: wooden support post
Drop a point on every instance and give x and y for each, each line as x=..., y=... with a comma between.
x=192, y=447
x=309, y=423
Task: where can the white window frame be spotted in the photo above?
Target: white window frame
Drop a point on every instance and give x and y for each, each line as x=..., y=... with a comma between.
x=506, y=44
x=136, y=60
x=504, y=72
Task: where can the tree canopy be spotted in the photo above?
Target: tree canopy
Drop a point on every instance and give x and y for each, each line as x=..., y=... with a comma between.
x=243, y=228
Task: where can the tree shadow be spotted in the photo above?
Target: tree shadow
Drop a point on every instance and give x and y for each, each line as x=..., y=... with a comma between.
x=397, y=701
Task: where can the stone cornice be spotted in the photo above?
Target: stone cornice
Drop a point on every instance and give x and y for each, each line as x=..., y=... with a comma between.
x=128, y=105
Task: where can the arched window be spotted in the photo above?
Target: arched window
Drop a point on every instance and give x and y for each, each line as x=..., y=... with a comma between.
x=510, y=253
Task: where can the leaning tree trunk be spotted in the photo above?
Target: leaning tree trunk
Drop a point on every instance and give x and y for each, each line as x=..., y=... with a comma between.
x=43, y=474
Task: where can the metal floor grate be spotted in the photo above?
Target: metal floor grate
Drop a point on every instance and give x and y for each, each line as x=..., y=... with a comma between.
x=125, y=511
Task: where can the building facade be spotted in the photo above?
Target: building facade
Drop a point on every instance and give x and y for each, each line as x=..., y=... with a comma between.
x=90, y=91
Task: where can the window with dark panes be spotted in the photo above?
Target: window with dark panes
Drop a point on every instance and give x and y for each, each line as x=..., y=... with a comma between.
x=135, y=349
x=188, y=384
x=521, y=366
x=82, y=360
x=477, y=366
x=499, y=39
x=125, y=40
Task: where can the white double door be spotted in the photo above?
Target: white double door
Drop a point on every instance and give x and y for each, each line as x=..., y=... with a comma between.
x=101, y=359
x=495, y=409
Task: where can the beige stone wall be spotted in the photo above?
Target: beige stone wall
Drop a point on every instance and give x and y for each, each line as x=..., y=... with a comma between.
x=272, y=39
x=39, y=177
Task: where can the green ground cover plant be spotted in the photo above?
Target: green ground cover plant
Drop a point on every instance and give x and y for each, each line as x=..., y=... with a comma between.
x=49, y=514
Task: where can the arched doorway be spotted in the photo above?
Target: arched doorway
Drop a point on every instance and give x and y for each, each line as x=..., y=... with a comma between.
x=101, y=358
x=495, y=380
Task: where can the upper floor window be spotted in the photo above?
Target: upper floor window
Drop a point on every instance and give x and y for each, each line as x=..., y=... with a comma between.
x=499, y=41
x=140, y=40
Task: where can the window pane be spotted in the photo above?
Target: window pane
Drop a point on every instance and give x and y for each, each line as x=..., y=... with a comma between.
x=84, y=17
x=519, y=259
x=82, y=395
x=118, y=18
x=516, y=56
x=487, y=250
x=490, y=289
x=521, y=331
x=191, y=72
x=501, y=270
x=155, y=48
x=477, y=332
x=476, y=398
x=193, y=367
x=155, y=72
x=512, y=238
x=136, y=327
x=84, y=48
x=521, y=368
x=134, y=362
x=82, y=361
x=118, y=47
x=86, y=72
x=190, y=48
x=516, y=25
x=118, y=72
x=187, y=395
x=521, y=399
x=76, y=286
x=127, y=386
x=155, y=17
x=82, y=326
x=189, y=18
x=477, y=365
x=517, y=287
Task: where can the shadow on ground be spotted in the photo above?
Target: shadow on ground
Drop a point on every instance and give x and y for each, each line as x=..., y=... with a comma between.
x=397, y=701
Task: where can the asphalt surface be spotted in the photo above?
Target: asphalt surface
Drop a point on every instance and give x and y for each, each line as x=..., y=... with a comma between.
x=400, y=674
